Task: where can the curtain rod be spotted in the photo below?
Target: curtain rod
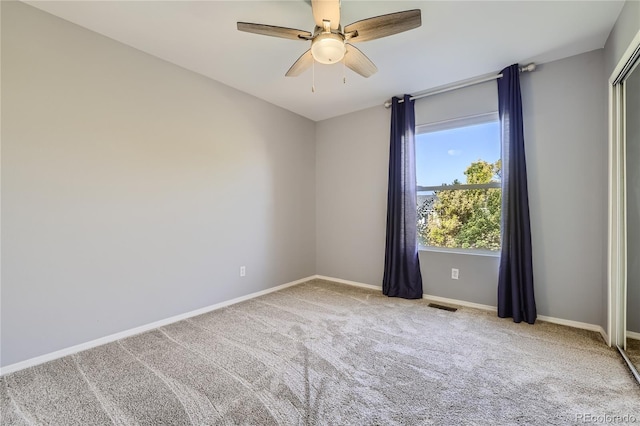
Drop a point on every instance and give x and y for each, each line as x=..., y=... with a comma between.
x=465, y=83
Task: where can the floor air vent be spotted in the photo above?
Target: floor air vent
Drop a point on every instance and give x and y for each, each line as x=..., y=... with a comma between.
x=444, y=308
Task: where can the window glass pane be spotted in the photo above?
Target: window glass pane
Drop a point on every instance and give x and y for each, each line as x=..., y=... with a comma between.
x=442, y=157
x=459, y=218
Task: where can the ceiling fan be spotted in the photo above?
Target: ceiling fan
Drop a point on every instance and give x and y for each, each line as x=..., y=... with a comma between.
x=331, y=44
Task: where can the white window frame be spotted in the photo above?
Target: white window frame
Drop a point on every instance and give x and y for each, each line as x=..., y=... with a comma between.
x=454, y=124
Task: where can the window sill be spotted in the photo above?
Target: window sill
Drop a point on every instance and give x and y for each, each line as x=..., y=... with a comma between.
x=469, y=252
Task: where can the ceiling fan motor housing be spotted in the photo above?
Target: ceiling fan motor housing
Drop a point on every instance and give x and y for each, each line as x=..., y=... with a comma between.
x=328, y=48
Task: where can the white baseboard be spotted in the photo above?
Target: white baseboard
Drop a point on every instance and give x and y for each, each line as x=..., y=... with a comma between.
x=464, y=303
x=141, y=329
x=459, y=303
x=576, y=324
x=633, y=335
x=351, y=283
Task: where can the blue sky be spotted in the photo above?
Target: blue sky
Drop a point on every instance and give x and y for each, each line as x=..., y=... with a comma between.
x=443, y=156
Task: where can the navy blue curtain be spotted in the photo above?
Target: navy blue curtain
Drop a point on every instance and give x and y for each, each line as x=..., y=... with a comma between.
x=402, y=276
x=515, y=280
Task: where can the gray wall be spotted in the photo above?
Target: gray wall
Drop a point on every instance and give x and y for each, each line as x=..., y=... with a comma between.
x=632, y=89
x=565, y=137
x=132, y=189
x=626, y=27
x=352, y=159
x=565, y=130
x=473, y=100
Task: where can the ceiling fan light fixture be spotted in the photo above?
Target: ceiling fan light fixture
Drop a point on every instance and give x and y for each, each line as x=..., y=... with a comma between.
x=328, y=48
x=329, y=40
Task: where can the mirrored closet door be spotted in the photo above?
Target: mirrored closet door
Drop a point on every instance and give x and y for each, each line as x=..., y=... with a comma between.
x=631, y=107
x=624, y=213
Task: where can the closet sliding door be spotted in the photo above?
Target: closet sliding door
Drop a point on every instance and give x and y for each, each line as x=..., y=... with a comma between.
x=624, y=213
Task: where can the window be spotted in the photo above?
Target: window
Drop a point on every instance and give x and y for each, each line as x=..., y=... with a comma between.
x=458, y=170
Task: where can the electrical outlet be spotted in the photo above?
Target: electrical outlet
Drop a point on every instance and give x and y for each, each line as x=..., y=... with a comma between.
x=454, y=273
x=243, y=271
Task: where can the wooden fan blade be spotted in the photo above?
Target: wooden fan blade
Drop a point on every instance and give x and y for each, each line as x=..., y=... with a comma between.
x=270, y=30
x=301, y=65
x=383, y=26
x=326, y=10
x=358, y=62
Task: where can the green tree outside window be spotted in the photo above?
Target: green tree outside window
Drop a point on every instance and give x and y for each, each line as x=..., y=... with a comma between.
x=464, y=218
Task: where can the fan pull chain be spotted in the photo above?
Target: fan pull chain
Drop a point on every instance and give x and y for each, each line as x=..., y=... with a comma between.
x=313, y=77
x=344, y=70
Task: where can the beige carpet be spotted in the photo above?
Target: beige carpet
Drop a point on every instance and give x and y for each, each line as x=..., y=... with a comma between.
x=323, y=353
x=633, y=352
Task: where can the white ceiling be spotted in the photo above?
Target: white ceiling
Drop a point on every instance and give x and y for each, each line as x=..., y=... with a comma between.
x=457, y=40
